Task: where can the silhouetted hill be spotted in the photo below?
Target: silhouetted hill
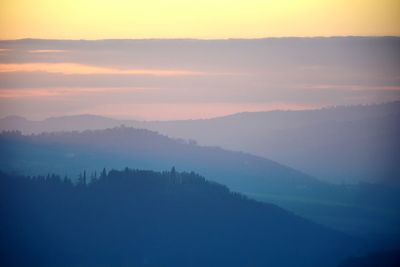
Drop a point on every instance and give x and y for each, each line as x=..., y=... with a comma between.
x=65, y=123
x=71, y=152
x=339, y=144
x=146, y=218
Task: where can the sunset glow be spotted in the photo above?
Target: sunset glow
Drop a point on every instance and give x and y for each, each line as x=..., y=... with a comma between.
x=93, y=19
x=176, y=59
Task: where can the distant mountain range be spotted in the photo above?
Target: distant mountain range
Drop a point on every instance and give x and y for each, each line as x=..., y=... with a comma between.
x=338, y=144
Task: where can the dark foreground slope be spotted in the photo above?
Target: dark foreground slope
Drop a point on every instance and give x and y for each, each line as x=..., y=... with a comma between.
x=376, y=259
x=145, y=218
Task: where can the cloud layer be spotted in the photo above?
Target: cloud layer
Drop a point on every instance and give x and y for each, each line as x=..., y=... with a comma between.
x=175, y=79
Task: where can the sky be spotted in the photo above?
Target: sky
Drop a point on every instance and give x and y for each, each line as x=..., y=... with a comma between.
x=209, y=19
x=194, y=59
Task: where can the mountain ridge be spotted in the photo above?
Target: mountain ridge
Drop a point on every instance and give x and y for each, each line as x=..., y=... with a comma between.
x=372, y=129
x=393, y=104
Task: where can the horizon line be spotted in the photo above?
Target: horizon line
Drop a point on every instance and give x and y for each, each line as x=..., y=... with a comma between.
x=211, y=118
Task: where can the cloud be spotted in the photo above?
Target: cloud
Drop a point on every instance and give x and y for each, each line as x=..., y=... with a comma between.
x=4, y=51
x=350, y=87
x=214, y=77
x=45, y=51
x=82, y=69
x=59, y=92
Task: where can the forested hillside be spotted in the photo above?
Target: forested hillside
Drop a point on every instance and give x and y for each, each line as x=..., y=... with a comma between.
x=146, y=218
